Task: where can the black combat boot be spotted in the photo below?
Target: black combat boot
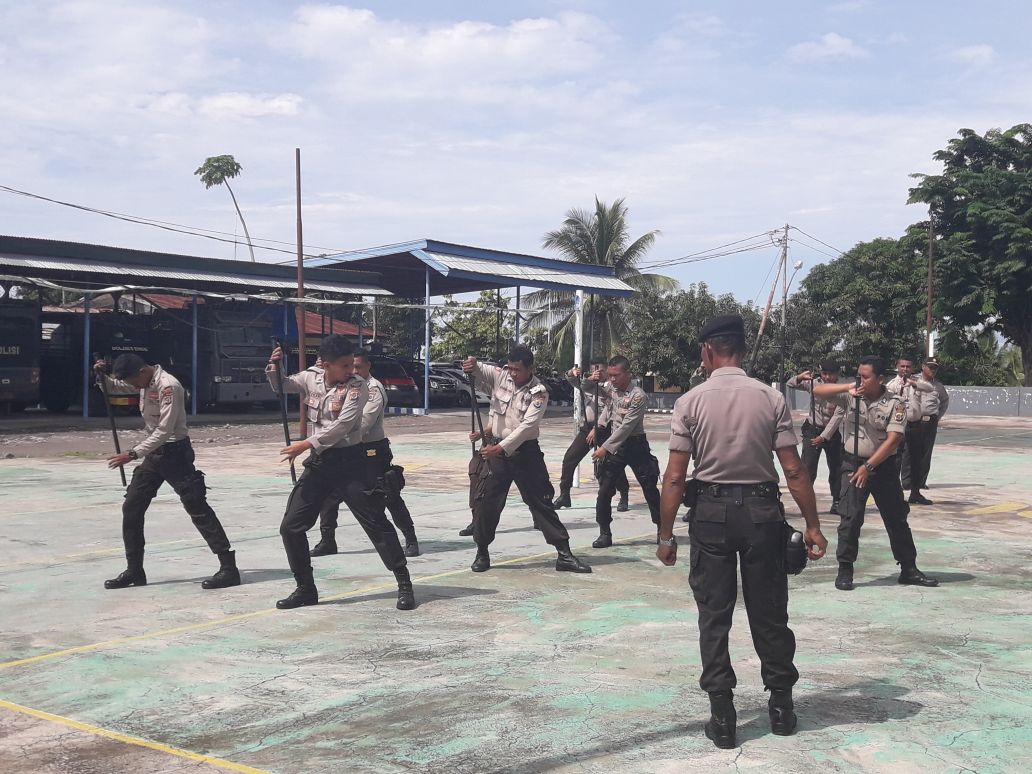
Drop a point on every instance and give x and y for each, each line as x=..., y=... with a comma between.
x=623, y=506
x=604, y=539
x=566, y=561
x=467, y=531
x=132, y=576
x=720, y=728
x=844, y=579
x=562, y=501
x=411, y=544
x=228, y=574
x=911, y=576
x=916, y=498
x=782, y=713
x=304, y=595
x=482, y=563
x=834, y=507
x=406, y=597
x=327, y=546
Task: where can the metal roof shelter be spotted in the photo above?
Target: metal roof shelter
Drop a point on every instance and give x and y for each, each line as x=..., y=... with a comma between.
x=89, y=268
x=88, y=265
x=407, y=267
x=428, y=267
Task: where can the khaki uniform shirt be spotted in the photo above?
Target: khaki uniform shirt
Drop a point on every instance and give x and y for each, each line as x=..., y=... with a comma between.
x=626, y=410
x=934, y=403
x=912, y=395
x=163, y=406
x=516, y=412
x=335, y=412
x=826, y=413
x=731, y=425
x=878, y=418
x=372, y=414
x=587, y=391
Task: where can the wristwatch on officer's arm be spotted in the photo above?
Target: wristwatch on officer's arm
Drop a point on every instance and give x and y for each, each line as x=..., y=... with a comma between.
x=132, y=454
x=671, y=543
x=869, y=467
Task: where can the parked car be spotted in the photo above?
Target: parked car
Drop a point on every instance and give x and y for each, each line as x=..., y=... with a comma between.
x=444, y=390
x=401, y=388
x=463, y=381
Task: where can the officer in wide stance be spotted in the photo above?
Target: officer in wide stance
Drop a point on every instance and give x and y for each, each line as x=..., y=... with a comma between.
x=167, y=456
x=732, y=426
x=338, y=462
x=626, y=446
x=512, y=453
x=872, y=432
x=595, y=399
x=391, y=478
x=821, y=428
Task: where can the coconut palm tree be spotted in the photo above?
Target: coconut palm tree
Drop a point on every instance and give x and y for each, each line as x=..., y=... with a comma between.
x=599, y=237
x=217, y=170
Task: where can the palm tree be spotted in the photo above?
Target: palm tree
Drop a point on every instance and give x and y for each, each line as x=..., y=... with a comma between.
x=217, y=170
x=599, y=237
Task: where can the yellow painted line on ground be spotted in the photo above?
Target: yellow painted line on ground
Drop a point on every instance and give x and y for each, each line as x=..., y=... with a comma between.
x=1026, y=514
x=267, y=611
x=126, y=739
x=997, y=508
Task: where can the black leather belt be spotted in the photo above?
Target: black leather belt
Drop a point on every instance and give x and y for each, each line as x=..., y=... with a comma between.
x=852, y=458
x=737, y=491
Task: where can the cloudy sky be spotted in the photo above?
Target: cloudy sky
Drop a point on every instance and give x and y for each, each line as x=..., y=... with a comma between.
x=483, y=122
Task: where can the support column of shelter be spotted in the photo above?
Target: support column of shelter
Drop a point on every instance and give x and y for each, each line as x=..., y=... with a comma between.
x=578, y=347
x=426, y=354
x=193, y=360
x=518, y=319
x=86, y=365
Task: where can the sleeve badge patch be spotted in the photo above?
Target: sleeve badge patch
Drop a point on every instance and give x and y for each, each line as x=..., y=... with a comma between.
x=166, y=396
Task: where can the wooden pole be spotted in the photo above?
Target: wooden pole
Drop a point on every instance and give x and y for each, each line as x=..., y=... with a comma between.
x=928, y=320
x=300, y=312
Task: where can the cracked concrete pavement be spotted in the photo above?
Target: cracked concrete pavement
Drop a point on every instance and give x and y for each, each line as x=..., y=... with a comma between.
x=520, y=669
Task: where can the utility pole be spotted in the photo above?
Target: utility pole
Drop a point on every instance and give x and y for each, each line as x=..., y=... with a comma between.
x=782, y=260
x=299, y=314
x=928, y=319
x=784, y=310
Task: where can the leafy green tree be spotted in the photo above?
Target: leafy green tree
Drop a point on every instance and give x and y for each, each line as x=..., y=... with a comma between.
x=400, y=326
x=601, y=237
x=869, y=301
x=218, y=170
x=663, y=335
x=981, y=208
x=471, y=329
x=972, y=357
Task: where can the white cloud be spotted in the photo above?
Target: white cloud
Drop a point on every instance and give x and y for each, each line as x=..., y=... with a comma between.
x=377, y=59
x=974, y=56
x=232, y=104
x=829, y=46
x=849, y=6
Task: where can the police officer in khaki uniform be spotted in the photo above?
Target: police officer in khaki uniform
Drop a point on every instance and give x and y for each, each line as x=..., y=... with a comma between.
x=595, y=400
x=872, y=430
x=377, y=444
x=911, y=391
x=821, y=429
x=167, y=456
x=339, y=462
x=626, y=445
x=512, y=453
x=934, y=405
x=732, y=426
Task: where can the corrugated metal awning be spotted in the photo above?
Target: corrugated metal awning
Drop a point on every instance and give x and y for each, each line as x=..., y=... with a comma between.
x=121, y=271
x=526, y=275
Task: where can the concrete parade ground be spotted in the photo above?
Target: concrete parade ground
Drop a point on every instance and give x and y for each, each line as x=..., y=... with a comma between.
x=520, y=669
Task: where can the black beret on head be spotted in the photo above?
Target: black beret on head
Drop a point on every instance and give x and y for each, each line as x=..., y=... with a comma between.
x=831, y=366
x=724, y=325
